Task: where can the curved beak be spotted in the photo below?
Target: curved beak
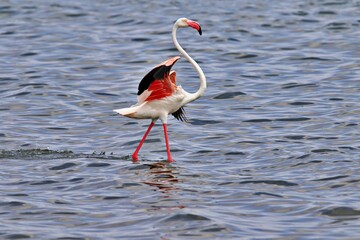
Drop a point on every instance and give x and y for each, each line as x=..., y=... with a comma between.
x=194, y=25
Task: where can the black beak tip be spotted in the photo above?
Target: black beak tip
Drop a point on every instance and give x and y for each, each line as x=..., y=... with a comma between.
x=200, y=32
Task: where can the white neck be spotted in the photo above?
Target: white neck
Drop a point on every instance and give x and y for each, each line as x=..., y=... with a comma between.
x=200, y=91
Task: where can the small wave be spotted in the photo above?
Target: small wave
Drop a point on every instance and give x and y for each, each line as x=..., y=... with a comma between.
x=39, y=153
x=187, y=217
x=272, y=182
x=229, y=95
x=340, y=212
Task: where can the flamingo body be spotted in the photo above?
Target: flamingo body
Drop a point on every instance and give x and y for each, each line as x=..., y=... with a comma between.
x=158, y=94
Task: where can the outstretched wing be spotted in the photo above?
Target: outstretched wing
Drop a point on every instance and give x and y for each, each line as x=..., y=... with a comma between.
x=159, y=82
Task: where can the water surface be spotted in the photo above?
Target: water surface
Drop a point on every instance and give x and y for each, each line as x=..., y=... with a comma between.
x=271, y=150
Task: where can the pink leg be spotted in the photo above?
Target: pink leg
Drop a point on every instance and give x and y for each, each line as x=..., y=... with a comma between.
x=135, y=154
x=167, y=143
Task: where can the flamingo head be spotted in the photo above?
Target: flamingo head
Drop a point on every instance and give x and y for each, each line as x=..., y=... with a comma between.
x=184, y=22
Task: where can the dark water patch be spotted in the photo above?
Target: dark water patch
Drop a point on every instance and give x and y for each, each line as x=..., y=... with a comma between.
x=233, y=39
x=298, y=85
x=267, y=194
x=245, y=56
x=130, y=185
x=334, y=3
x=347, y=148
x=114, y=197
x=35, y=77
x=57, y=128
x=140, y=39
x=241, y=55
x=343, y=161
x=258, y=120
x=99, y=164
x=271, y=182
x=18, y=195
x=353, y=181
x=324, y=150
x=235, y=153
x=63, y=166
x=309, y=20
x=301, y=103
x=331, y=178
x=76, y=15
x=275, y=26
x=306, y=163
x=6, y=79
x=12, y=204
x=89, y=68
x=305, y=156
x=105, y=94
x=324, y=12
x=337, y=26
x=298, y=119
x=139, y=167
x=137, y=62
x=71, y=238
x=20, y=94
x=319, y=138
x=351, y=125
x=44, y=182
x=195, y=121
x=14, y=236
x=295, y=137
x=300, y=13
x=8, y=33
x=77, y=179
x=341, y=212
x=7, y=10
x=250, y=142
x=135, y=142
x=250, y=76
x=336, y=99
x=186, y=217
x=229, y=95
x=288, y=48
x=64, y=59
x=33, y=213
x=28, y=54
x=205, y=151
x=59, y=202
x=215, y=229
x=122, y=22
x=64, y=213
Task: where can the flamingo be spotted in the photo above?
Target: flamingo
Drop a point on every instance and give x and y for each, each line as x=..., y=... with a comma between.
x=158, y=95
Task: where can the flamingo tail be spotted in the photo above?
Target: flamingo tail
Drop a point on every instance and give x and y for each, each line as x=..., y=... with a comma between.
x=128, y=111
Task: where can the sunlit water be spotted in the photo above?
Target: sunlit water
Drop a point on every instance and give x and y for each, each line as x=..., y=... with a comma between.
x=271, y=150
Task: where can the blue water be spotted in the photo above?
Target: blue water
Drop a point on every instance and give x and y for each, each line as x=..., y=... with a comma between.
x=272, y=150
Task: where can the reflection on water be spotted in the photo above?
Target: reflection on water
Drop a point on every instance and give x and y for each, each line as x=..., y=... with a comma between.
x=162, y=176
x=274, y=139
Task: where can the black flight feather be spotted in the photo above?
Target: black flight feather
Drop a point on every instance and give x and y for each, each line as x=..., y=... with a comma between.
x=147, y=80
x=159, y=72
x=180, y=115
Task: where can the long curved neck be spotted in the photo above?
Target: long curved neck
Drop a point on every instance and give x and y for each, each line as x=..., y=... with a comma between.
x=200, y=91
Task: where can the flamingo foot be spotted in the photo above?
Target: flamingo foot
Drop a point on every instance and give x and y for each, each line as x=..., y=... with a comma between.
x=135, y=157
